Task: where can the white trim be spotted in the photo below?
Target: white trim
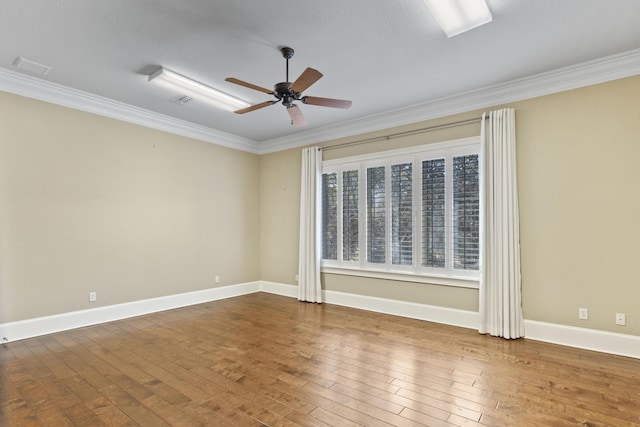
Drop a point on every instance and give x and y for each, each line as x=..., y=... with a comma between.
x=414, y=272
x=430, y=313
x=470, y=144
x=279, y=289
x=588, y=339
x=588, y=73
x=570, y=336
x=42, y=90
x=22, y=329
x=601, y=70
x=412, y=310
x=403, y=276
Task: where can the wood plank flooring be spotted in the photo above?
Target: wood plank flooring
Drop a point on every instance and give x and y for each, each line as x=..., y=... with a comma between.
x=263, y=359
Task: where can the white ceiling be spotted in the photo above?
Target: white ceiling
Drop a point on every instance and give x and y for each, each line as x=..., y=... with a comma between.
x=383, y=55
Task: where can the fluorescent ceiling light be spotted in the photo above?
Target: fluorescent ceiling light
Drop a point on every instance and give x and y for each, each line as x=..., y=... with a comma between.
x=186, y=86
x=458, y=16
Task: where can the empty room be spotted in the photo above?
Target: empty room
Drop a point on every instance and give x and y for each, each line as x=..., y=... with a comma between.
x=335, y=213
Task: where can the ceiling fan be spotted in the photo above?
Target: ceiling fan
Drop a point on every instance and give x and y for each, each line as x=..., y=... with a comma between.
x=287, y=93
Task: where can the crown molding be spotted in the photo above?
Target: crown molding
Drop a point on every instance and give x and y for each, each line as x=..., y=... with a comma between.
x=605, y=69
x=42, y=90
x=602, y=70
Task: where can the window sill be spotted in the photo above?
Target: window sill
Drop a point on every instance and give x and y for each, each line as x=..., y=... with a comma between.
x=458, y=281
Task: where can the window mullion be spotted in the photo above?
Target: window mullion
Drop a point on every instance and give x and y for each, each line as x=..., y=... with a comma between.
x=389, y=216
x=340, y=215
x=416, y=176
x=448, y=177
x=362, y=207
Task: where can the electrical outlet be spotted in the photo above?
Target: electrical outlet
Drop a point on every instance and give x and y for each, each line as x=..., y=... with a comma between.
x=92, y=296
x=621, y=319
x=217, y=279
x=583, y=314
x=297, y=277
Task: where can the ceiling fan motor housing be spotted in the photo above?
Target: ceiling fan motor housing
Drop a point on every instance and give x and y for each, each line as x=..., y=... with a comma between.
x=283, y=92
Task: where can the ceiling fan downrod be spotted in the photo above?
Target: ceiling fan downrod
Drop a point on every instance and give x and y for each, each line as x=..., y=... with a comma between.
x=287, y=53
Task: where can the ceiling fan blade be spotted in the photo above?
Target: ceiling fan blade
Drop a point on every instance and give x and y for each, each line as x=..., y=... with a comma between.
x=306, y=79
x=249, y=85
x=255, y=107
x=297, y=118
x=326, y=102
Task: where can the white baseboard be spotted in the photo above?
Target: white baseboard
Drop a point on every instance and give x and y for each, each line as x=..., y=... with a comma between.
x=431, y=313
x=29, y=328
x=570, y=336
x=279, y=289
x=588, y=339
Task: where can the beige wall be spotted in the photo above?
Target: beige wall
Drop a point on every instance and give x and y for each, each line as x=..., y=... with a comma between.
x=279, y=216
x=579, y=203
x=89, y=203
x=578, y=176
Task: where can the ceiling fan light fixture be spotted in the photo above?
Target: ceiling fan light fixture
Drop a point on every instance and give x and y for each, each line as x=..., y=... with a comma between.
x=186, y=86
x=297, y=118
x=457, y=16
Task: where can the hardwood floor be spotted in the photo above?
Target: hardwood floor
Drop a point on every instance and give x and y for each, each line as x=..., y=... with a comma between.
x=262, y=359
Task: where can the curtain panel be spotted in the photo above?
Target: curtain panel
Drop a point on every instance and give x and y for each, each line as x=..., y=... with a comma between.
x=500, y=281
x=309, y=287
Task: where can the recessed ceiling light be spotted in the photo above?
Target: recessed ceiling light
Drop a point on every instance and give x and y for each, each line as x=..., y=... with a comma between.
x=457, y=16
x=31, y=66
x=196, y=90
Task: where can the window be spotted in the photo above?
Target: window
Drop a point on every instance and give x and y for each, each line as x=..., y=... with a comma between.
x=433, y=213
x=350, y=232
x=401, y=214
x=329, y=216
x=376, y=218
x=415, y=212
x=466, y=213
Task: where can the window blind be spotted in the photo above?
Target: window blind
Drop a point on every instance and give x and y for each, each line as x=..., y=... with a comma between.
x=433, y=213
x=466, y=213
x=329, y=216
x=401, y=214
x=376, y=227
x=350, y=223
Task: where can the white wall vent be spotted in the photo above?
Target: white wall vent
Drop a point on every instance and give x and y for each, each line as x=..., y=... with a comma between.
x=182, y=99
x=31, y=66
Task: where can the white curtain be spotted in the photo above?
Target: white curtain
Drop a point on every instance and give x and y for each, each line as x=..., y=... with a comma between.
x=309, y=288
x=500, y=284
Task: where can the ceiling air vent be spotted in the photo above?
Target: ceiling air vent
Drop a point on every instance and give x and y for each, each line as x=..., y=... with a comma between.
x=181, y=100
x=31, y=66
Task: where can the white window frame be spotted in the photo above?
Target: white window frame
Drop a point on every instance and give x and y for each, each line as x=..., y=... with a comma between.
x=415, y=272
